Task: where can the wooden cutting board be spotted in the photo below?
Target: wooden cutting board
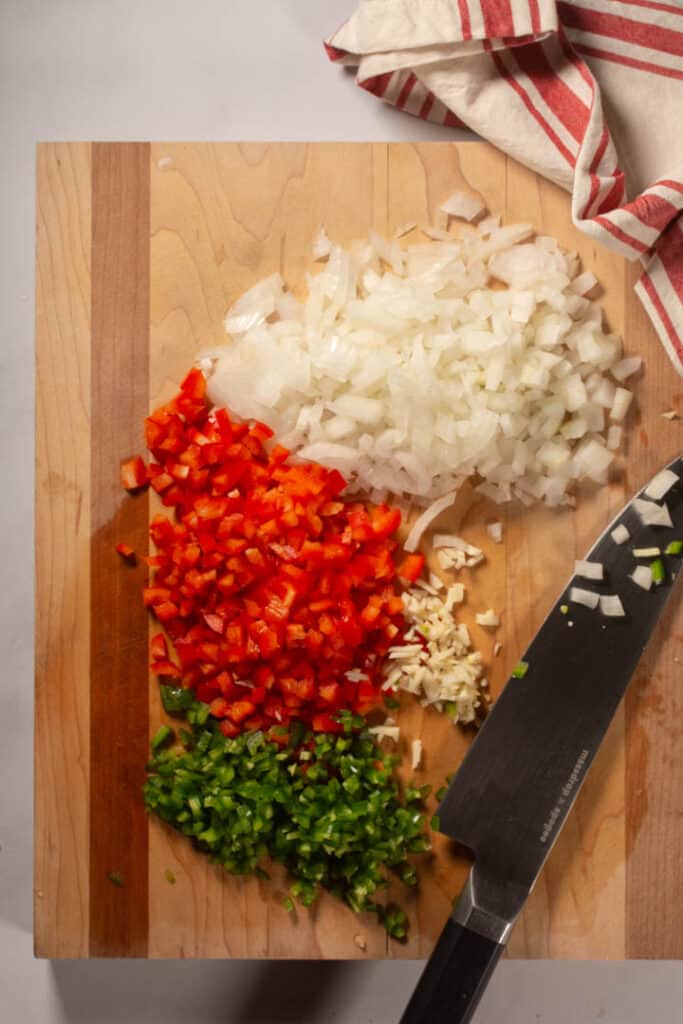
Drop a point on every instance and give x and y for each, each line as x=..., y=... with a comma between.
x=140, y=249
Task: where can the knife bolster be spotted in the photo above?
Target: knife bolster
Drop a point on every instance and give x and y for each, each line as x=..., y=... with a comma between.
x=471, y=911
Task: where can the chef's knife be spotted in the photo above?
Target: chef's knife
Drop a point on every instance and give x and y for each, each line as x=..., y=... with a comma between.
x=516, y=786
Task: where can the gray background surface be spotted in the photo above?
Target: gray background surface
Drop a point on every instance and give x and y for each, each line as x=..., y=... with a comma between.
x=211, y=69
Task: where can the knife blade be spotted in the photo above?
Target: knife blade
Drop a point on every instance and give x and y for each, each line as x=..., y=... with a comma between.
x=516, y=785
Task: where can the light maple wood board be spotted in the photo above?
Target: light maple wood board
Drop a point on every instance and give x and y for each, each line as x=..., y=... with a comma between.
x=140, y=249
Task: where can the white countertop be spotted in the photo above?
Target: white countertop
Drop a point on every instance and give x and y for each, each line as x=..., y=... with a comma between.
x=212, y=69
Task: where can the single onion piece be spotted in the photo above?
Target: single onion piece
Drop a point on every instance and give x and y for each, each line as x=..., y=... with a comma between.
x=495, y=532
x=488, y=618
x=390, y=732
x=652, y=514
x=415, y=754
x=610, y=605
x=620, y=534
x=589, y=570
x=428, y=516
x=463, y=205
x=403, y=229
x=584, y=283
x=614, y=436
x=622, y=400
x=577, y=595
x=642, y=576
x=661, y=484
x=254, y=306
x=322, y=246
x=626, y=368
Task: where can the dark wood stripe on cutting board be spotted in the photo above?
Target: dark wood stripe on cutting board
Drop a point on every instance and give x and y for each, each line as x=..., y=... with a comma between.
x=119, y=719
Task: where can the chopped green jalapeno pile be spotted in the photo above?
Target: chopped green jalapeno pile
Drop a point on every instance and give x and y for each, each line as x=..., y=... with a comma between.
x=325, y=805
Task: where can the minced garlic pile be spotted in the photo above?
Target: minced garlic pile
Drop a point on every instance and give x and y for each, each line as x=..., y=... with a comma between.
x=437, y=661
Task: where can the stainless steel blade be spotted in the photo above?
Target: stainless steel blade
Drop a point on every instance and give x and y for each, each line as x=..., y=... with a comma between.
x=515, y=788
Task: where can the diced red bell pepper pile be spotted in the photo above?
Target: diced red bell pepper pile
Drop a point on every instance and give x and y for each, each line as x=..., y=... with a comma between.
x=271, y=588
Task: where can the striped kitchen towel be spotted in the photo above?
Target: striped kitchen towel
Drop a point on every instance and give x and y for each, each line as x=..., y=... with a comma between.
x=588, y=93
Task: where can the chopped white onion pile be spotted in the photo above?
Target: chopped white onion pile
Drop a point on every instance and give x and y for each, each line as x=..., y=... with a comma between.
x=495, y=532
x=488, y=618
x=409, y=370
x=610, y=604
x=620, y=534
x=577, y=595
x=437, y=662
x=661, y=484
x=652, y=514
x=589, y=570
x=415, y=754
x=642, y=575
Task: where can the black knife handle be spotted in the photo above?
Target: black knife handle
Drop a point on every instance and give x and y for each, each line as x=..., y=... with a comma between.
x=454, y=977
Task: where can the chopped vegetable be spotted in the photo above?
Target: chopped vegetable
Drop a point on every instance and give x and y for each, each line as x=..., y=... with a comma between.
x=621, y=403
x=646, y=552
x=411, y=568
x=176, y=699
x=435, y=661
x=642, y=576
x=115, y=878
x=495, y=532
x=160, y=736
x=335, y=819
x=626, y=368
x=133, y=474
x=497, y=648
x=520, y=670
x=423, y=521
x=661, y=484
x=270, y=587
x=488, y=618
x=577, y=595
x=126, y=551
x=589, y=570
x=670, y=414
x=564, y=608
x=610, y=604
x=410, y=370
x=463, y=205
x=169, y=876
x=657, y=570
x=652, y=514
x=389, y=732
x=322, y=246
x=674, y=548
x=615, y=434
x=620, y=534
x=455, y=553
x=415, y=754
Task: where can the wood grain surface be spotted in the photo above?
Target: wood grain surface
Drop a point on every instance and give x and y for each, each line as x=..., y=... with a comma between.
x=140, y=249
